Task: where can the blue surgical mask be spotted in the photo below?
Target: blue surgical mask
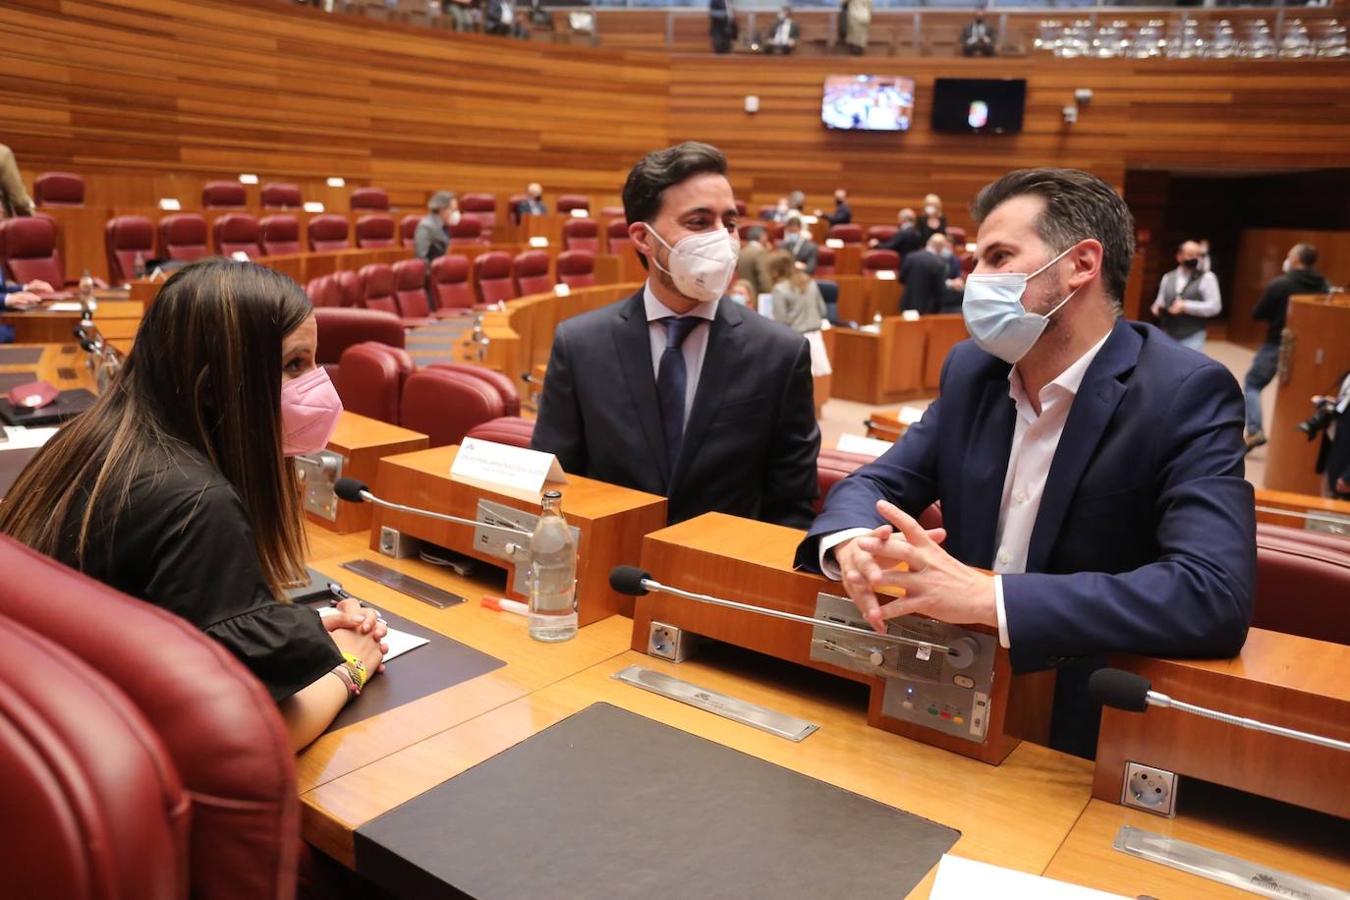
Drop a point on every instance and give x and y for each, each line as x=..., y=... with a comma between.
x=994, y=314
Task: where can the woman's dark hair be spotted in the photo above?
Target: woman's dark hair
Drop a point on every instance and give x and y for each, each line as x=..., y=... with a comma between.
x=1078, y=206
x=205, y=373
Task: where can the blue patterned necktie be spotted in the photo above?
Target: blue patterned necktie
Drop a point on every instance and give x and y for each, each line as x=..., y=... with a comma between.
x=671, y=382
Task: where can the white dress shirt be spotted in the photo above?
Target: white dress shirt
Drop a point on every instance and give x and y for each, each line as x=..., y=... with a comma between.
x=1035, y=439
x=695, y=345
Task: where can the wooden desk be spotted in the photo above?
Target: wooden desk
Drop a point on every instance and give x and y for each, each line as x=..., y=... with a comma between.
x=901, y=361
x=116, y=319
x=363, y=442
x=64, y=365
x=1268, y=503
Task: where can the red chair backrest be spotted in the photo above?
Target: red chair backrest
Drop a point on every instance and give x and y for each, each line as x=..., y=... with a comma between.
x=324, y=291
x=766, y=212
x=512, y=430
x=849, y=234
x=370, y=198
x=377, y=288
x=513, y=206
x=376, y=230
x=824, y=262
x=530, y=270
x=58, y=189
x=327, y=232
x=569, y=202
x=881, y=232
x=217, y=721
x=832, y=467
x=503, y=384
x=124, y=237
x=445, y=405
x=617, y=236
x=182, y=236
x=492, y=275
x=465, y=231
x=224, y=195
x=874, y=261
x=237, y=233
x=281, y=196
x=280, y=235
x=576, y=268
x=450, y=281
x=341, y=327
x=407, y=229
x=482, y=208
x=349, y=288
x=410, y=288
x=1302, y=583
x=581, y=234
x=28, y=249
x=370, y=379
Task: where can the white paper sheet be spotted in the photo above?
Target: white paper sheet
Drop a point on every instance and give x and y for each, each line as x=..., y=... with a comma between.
x=961, y=879
x=21, y=438
x=399, y=642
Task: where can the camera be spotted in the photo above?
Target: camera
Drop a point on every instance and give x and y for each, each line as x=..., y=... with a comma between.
x=1320, y=419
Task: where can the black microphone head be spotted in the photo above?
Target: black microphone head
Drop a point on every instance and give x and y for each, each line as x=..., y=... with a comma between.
x=1120, y=689
x=350, y=489
x=628, y=580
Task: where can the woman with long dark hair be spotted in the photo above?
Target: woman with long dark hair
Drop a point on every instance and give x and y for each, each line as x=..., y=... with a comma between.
x=176, y=486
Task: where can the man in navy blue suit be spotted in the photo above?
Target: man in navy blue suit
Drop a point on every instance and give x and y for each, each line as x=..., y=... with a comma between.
x=1092, y=464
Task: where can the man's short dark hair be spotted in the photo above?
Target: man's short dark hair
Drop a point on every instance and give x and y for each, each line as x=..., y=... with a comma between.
x=662, y=169
x=1307, y=255
x=440, y=200
x=1078, y=206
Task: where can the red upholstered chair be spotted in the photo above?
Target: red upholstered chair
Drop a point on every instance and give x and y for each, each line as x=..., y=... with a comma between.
x=281, y=196
x=99, y=810
x=512, y=430
x=125, y=237
x=216, y=721
x=236, y=233
x=1302, y=583
x=375, y=231
x=616, y=233
x=324, y=291
x=832, y=467
x=465, y=231
x=766, y=212
x=482, y=208
x=182, y=237
x=581, y=234
x=740, y=208
x=370, y=379
x=450, y=283
x=58, y=189
x=576, y=268
x=513, y=206
x=444, y=405
x=501, y=383
x=341, y=327
x=327, y=232
x=569, y=202
x=957, y=236
x=407, y=229
x=28, y=250
x=410, y=290
x=851, y=235
x=611, y=212
x=280, y=235
x=370, y=198
x=824, y=262
x=773, y=231
x=881, y=233
x=874, y=261
x=349, y=287
x=224, y=195
x=530, y=272
x=492, y=275
x=377, y=288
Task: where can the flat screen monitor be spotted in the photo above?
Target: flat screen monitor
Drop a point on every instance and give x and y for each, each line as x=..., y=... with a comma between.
x=867, y=102
x=979, y=105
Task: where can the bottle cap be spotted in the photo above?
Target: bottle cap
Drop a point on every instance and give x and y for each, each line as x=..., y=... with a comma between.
x=552, y=495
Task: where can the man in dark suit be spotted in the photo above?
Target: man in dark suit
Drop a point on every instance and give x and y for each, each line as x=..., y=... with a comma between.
x=796, y=241
x=784, y=34
x=676, y=391
x=977, y=38
x=924, y=275
x=842, y=214
x=1092, y=463
x=906, y=239
x=533, y=204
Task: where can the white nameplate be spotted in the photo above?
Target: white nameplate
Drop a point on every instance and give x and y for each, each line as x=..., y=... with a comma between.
x=856, y=443
x=562, y=289
x=885, y=274
x=909, y=415
x=958, y=878
x=834, y=243
x=909, y=315
x=239, y=256
x=170, y=204
x=505, y=466
x=579, y=213
x=539, y=241
x=313, y=206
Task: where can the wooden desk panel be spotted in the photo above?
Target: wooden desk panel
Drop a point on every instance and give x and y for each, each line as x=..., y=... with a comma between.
x=1277, y=500
x=55, y=360
x=363, y=442
x=116, y=319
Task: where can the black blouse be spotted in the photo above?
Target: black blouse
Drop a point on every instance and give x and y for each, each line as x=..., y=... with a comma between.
x=182, y=542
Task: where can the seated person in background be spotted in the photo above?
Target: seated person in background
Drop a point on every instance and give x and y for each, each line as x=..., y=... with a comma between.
x=176, y=487
x=743, y=292
x=906, y=239
x=977, y=38
x=924, y=274
x=842, y=215
x=431, y=238
x=14, y=199
x=750, y=261
x=17, y=298
x=796, y=202
x=797, y=301
x=1090, y=462
x=533, y=204
x=1186, y=298
x=500, y=17
x=933, y=221
x=784, y=34
x=797, y=242
x=674, y=391
x=1333, y=457
x=779, y=212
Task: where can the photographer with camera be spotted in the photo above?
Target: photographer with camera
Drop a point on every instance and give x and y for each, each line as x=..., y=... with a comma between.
x=1332, y=421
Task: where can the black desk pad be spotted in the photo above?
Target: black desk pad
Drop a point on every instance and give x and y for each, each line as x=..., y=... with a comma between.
x=67, y=404
x=19, y=356
x=610, y=804
x=435, y=666
x=11, y=380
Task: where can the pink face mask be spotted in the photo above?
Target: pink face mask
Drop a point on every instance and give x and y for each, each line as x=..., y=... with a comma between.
x=309, y=412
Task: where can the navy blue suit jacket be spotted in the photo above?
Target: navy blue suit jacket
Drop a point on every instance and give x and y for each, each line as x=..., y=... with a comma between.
x=1145, y=540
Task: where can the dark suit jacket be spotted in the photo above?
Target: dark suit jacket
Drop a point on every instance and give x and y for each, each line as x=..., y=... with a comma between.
x=842, y=215
x=750, y=443
x=905, y=241
x=1145, y=540
x=430, y=240
x=924, y=275
x=807, y=253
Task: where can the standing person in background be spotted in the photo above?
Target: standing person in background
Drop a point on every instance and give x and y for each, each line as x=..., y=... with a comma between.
x=798, y=304
x=721, y=25
x=431, y=238
x=924, y=275
x=933, y=221
x=1186, y=298
x=977, y=38
x=1299, y=277
x=750, y=261
x=797, y=242
x=784, y=34
x=842, y=215
x=906, y=240
x=859, y=18
x=14, y=200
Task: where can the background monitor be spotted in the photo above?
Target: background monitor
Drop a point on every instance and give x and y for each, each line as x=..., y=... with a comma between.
x=979, y=105
x=867, y=102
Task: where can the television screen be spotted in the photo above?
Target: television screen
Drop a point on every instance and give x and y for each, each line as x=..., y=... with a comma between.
x=979, y=105
x=868, y=102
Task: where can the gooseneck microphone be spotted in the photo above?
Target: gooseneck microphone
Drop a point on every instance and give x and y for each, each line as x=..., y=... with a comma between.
x=1133, y=693
x=634, y=582
x=356, y=491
